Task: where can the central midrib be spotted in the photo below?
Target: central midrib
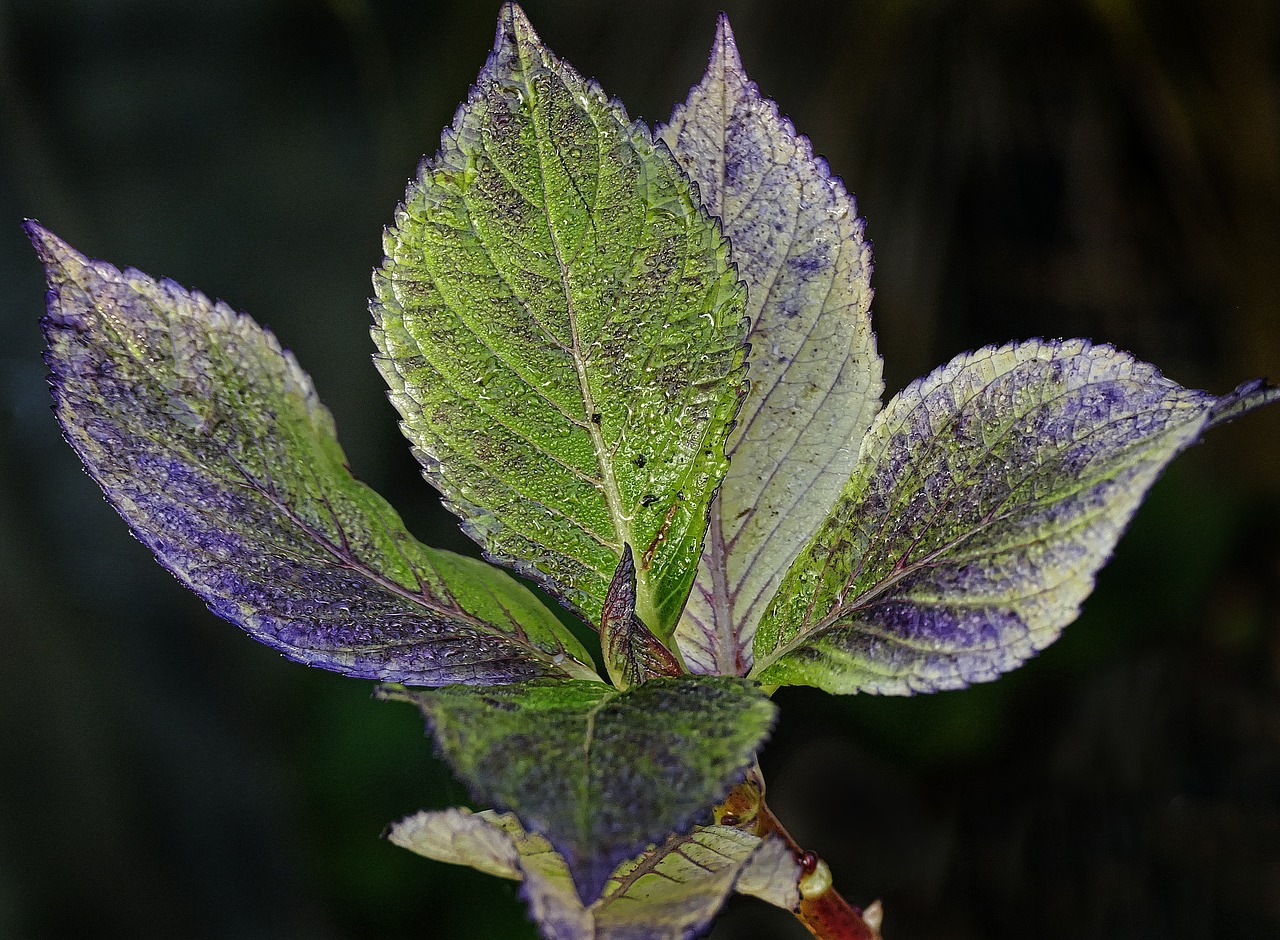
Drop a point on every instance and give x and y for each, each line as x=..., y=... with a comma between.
x=608, y=481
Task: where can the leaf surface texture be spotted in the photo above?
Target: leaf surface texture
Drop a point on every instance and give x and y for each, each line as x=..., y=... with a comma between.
x=562, y=332
x=813, y=367
x=985, y=498
x=670, y=891
x=598, y=772
x=211, y=443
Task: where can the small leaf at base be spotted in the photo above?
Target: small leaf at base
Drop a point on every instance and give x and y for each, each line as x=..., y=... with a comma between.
x=600, y=773
x=669, y=892
x=632, y=654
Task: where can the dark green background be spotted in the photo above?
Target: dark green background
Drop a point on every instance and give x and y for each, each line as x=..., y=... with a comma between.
x=1108, y=169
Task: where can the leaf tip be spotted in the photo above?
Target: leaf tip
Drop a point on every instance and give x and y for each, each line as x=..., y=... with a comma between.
x=1246, y=397
x=724, y=51
x=52, y=250
x=513, y=24
x=68, y=275
x=627, y=564
x=632, y=653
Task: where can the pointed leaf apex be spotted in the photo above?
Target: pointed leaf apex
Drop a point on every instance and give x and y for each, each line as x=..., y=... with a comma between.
x=53, y=251
x=627, y=564
x=512, y=21
x=724, y=51
x=1248, y=396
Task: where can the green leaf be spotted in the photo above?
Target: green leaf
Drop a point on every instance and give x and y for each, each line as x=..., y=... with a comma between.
x=985, y=498
x=815, y=374
x=773, y=875
x=598, y=772
x=211, y=443
x=669, y=892
x=562, y=333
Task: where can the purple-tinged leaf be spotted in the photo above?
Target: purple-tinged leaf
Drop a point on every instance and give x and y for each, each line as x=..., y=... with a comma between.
x=986, y=497
x=669, y=892
x=632, y=653
x=1247, y=397
x=211, y=443
x=601, y=773
x=796, y=238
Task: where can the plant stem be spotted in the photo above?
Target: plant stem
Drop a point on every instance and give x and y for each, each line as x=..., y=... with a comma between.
x=826, y=914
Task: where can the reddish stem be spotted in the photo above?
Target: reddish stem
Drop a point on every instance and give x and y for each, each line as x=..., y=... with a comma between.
x=826, y=914
x=831, y=917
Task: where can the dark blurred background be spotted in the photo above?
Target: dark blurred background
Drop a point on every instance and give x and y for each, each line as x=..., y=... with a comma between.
x=1109, y=169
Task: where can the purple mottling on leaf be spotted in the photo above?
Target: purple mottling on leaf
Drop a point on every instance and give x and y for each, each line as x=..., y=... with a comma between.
x=985, y=498
x=798, y=244
x=211, y=443
x=941, y=628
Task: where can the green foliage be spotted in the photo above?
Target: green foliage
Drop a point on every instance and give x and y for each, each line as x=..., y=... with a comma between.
x=668, y=892
x=599, y=772
x=562, y=333
x=561, y=323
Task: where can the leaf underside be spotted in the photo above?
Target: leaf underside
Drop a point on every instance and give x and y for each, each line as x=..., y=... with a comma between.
x=669, y=892
x=211, y=443
x=562, y=333
x=814, y=371
x=598, y=772
x=985, y=498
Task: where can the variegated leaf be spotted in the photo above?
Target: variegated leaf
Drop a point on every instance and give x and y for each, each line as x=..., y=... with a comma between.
x=985, y=498
x=814, y=370
x=669, y=892
x=211, y=443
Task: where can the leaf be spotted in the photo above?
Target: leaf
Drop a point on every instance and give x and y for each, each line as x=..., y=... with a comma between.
x=668, y=892
x=1247, y=397
x=211, y=443
x=486, y=841
x=689, y=878
x=496, y=844
x=562, y=333
x=985, y=498
x=815, y=374
x=632, y=654
x=599, y=772
x=772, y=875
